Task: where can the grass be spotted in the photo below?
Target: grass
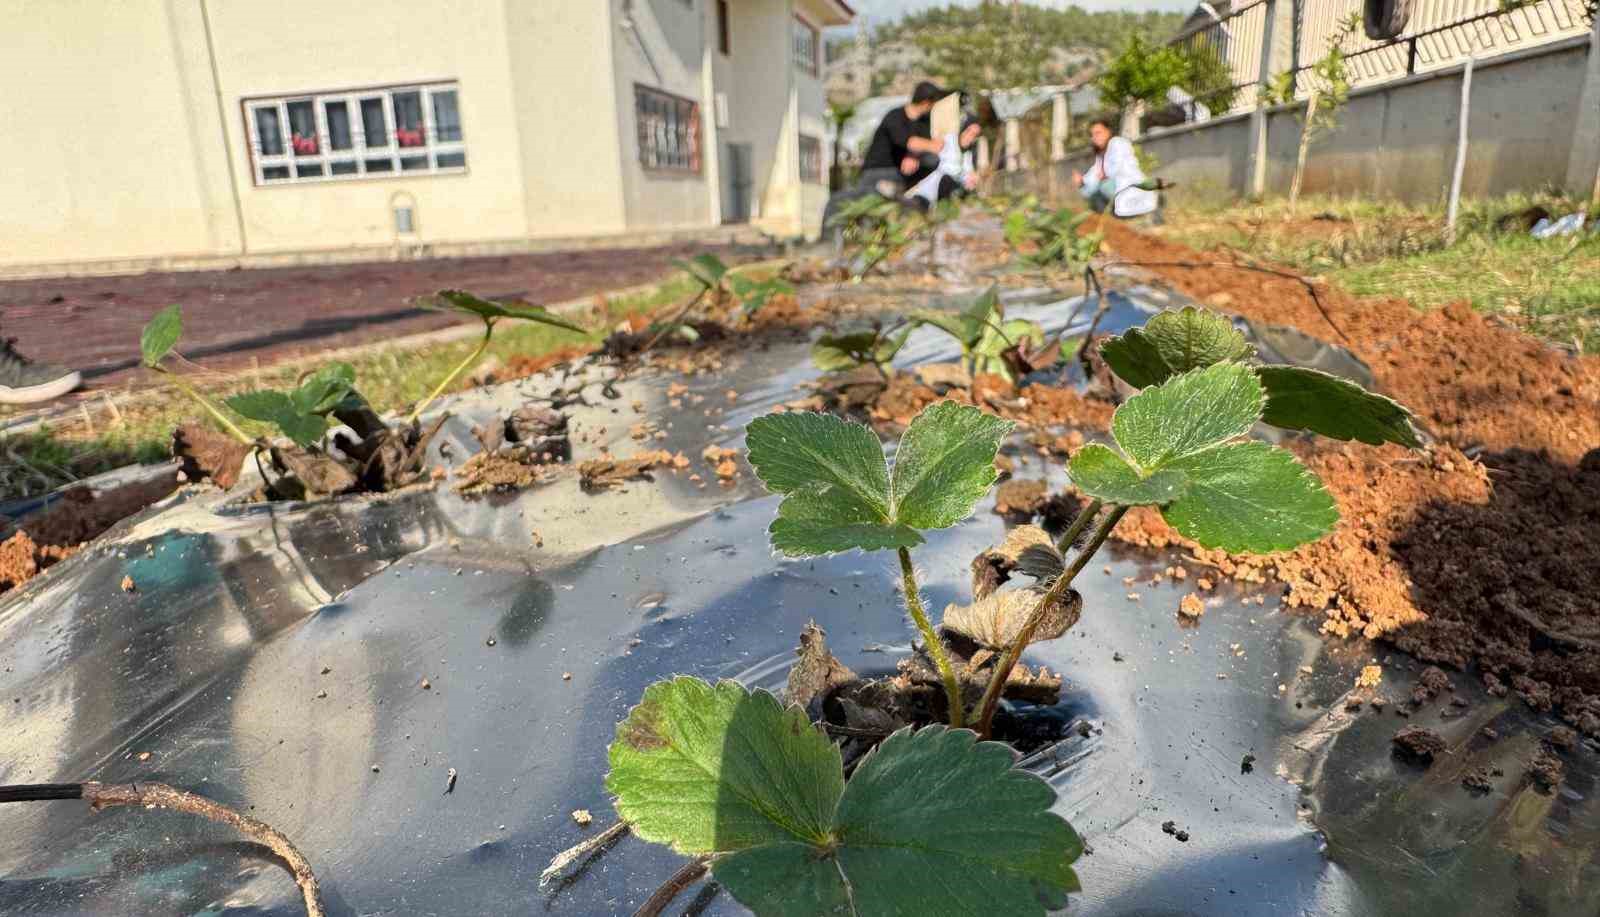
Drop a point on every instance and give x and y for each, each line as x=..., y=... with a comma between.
x=1550, y=288
x=390, y=378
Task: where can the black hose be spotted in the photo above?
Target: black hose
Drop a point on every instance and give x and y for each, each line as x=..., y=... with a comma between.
x=35, y=792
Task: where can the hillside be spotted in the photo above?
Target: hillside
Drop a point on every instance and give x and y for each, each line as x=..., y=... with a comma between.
x=990, y=45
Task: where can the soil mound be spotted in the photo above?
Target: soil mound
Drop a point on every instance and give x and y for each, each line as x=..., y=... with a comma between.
x=1486, y=559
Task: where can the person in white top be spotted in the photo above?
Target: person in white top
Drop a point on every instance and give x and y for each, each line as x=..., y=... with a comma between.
x=1113, y=179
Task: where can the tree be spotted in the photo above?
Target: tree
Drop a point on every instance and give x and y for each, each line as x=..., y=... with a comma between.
x=1143, y=72
x=996, y=52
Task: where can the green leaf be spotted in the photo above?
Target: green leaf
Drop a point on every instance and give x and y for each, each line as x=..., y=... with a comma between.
x=714, y=769
x=1101, y=473
x=994, y=340
x=488, y=310
x=304, y=429
x=1135, y=359
x=839, y=352
x=706, y=268
x=968, y=325
x=1188, y=413
x=827, y=520
x=903, y=847
x=264, y=405
x=278, y=409
x=1250, y=498
x=1308, y=399
x=1174, y=342
x=725, y=771
x=1193, y=338
x=944, y=465
x=161, y=335
x=833, y=472
x=754, y=295
x=324, y=389
x=1016, y=228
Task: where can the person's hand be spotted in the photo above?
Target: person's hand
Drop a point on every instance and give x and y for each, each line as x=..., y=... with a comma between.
x=908, y=165
x=970, y=180
x=970, y=135
x=1077, y=178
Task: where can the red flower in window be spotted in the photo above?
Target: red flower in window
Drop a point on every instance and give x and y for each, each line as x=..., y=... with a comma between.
x=303, y=146
x=408, y=137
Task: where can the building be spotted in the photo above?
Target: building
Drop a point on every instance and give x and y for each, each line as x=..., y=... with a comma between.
x=156, y=134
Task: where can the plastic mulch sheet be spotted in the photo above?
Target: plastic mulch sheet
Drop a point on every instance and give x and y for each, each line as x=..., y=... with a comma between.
x=323, y=667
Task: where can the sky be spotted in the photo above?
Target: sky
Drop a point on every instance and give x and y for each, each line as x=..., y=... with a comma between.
x=876, y=11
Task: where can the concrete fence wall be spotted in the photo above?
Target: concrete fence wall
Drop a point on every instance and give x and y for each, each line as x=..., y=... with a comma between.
x=1530, y=127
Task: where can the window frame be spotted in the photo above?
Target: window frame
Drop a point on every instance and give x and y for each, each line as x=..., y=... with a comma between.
x=360, y=155
x=819, y=177
x=694, y=136
x=813, y=67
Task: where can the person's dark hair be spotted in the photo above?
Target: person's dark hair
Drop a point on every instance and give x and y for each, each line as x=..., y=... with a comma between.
x=1103, y=123
x=927, y=91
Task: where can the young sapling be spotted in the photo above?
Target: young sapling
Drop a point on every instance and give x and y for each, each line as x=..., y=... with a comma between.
x=1180, y=446
x=1051, y=237
x=156, y=342
x=490, y=312
x=875, y=347
x=737, y=778
x=984, y=333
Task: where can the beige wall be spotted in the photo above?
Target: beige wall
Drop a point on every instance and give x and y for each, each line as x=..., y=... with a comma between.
x=130, y=148
x=93, y=169
x=566, y=112
x=375, y=43
x=755, y=79
x=664, y=49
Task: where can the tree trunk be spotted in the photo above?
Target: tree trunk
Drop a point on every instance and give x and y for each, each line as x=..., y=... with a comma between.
x=1305, y=144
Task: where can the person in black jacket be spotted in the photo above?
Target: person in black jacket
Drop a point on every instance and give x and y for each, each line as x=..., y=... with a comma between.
x=901, y=150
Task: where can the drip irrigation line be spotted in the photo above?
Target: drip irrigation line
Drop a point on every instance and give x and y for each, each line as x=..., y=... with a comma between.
x=144, y=796
x=688, y=874
x=1311, y=288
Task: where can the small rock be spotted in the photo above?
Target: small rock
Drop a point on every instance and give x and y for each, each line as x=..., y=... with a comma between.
x=374, y=768
x=582, y=817
x=321, y=694
x=326, y=669
x=566, y=676
x=427, y=685
x=1191, y=606
x=1419, y=744
x=1247, y=764
x=127, y=584
x=489, y=642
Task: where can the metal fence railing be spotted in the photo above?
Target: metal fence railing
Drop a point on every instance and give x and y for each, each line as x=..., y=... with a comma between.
x=1228, y=48
x=1440, y=33
x=1226, y=44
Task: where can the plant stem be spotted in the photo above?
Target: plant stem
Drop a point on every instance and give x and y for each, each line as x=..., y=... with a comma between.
x=488, y=331
x=203, y=401
x=991, y=694
x=1081, y=522
x=952, y=688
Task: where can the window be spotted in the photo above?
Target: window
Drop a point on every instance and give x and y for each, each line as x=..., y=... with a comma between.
x=810, y=159
x=723, y=44
x=805, y=46
x=669, y=130
x=374, y=132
